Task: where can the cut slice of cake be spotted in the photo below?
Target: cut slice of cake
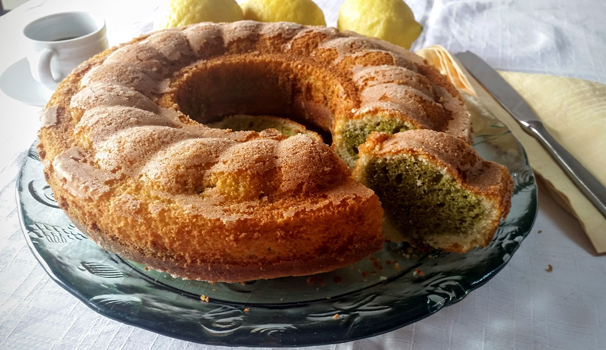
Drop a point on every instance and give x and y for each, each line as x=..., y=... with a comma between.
x=435, y=189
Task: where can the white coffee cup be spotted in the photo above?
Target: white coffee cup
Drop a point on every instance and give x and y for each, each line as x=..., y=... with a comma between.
x=60, y=42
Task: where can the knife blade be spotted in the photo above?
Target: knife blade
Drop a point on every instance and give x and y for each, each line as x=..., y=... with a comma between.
x=506, y=95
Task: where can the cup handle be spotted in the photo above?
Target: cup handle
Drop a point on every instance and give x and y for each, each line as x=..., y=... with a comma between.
x=42, y=69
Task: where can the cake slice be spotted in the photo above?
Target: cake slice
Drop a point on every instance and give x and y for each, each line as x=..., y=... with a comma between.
x=435, y=189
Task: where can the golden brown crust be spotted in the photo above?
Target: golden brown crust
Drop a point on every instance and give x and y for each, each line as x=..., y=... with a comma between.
x=129, y=160
x=352, y=247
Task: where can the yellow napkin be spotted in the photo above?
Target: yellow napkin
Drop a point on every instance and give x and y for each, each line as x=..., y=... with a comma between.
x=574, y=113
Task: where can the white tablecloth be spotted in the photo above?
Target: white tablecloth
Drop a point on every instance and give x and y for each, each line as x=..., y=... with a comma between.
x=523, y=307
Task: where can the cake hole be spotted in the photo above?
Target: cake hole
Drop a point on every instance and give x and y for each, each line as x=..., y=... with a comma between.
x=257, y=86
x=399, y=178
x=385, y=172
x=437, y=178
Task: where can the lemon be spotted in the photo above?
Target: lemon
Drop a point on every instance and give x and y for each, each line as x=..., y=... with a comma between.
x=390, y=20
x=183, y=12
x=298, y=11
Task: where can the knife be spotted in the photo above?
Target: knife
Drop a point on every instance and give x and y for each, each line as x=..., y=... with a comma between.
x=523, y=114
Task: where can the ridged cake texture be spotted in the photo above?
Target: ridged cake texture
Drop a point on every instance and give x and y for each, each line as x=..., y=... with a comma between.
x=131, y=162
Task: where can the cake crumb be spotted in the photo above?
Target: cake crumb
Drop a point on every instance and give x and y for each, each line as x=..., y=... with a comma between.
x=212, y=283
x=549, y=268
x=335, y=317
x=146, y=268
x=419, y=272
x=243, y=283
x=376, y=263
x=311, y=280
x=365, y=274
x=321, y=282
x=338, y=279
x=246, y=310
x=540, y=231
x=397, y=266
x=204, y=298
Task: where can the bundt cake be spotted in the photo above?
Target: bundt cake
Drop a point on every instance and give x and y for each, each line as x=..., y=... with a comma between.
x=130, y=160
x=435, y=189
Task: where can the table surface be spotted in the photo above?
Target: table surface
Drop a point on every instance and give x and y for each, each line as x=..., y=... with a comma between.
x=523, y=307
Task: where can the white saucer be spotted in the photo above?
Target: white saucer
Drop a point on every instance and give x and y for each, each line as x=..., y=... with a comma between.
x=17, y=83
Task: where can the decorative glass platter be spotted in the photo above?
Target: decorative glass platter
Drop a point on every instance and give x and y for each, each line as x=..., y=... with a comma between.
x=390, y=289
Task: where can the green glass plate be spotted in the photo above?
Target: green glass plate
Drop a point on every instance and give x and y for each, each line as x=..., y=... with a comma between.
x=391, y=289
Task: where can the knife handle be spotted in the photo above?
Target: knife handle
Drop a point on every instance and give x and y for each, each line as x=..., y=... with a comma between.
x=585, y=181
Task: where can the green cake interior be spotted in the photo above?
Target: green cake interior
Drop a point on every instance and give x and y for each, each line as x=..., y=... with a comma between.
x=420, y=202
x=353, y=133
x=254, y=123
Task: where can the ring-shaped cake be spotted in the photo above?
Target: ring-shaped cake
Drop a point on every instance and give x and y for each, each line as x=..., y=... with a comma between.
x=132, y=164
